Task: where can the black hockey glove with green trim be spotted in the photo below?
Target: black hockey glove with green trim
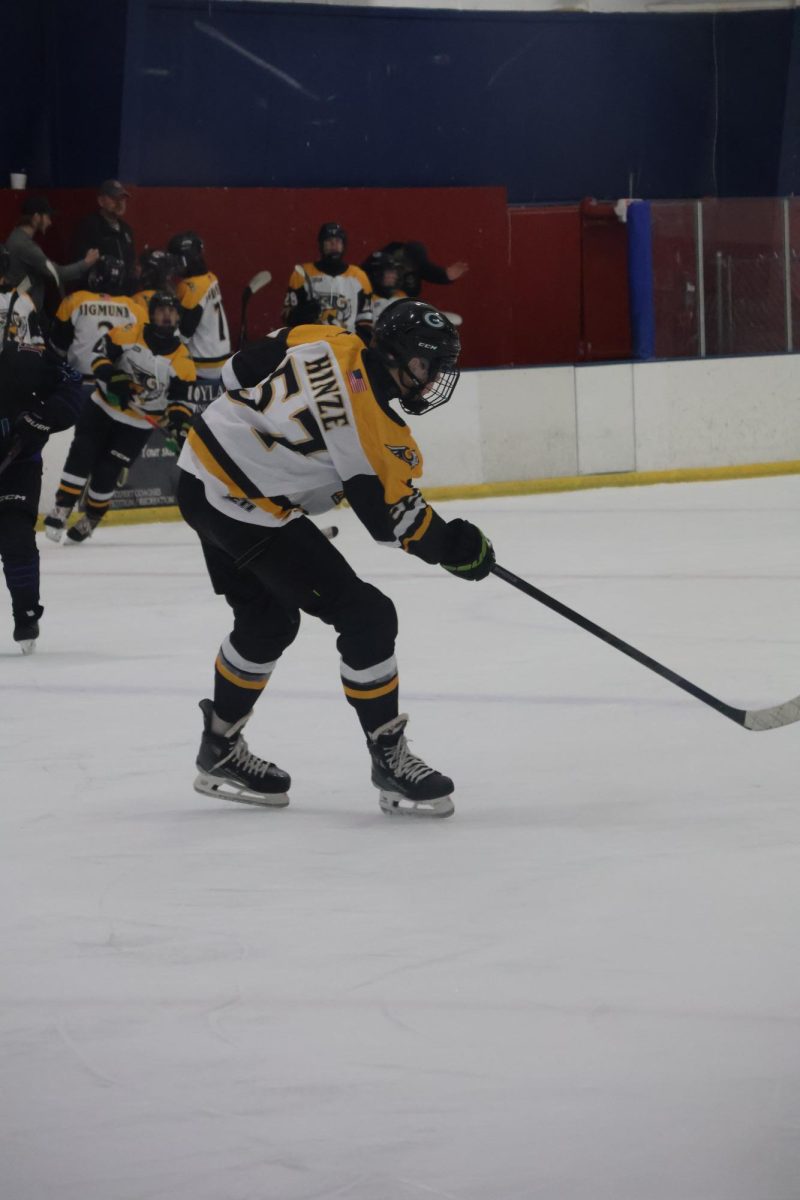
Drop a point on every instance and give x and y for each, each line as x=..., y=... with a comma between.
x=119, y=390
x=467, y=553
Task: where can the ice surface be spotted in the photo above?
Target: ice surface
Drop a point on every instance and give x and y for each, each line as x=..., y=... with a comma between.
x=584, y=986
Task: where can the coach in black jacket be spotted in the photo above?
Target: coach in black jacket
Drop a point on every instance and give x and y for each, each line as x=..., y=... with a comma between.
x=106, y=229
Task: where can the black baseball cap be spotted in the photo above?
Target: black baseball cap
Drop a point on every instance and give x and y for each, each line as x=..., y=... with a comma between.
x=113, y=188
x=36, y=204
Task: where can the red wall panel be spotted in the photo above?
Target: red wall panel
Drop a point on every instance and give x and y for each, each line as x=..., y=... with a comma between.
x=605, y=316
x=247, y=229
x=545, y=283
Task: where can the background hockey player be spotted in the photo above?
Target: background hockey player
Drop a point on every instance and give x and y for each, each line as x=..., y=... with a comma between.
x=157, y=272
x=415, y=267
x=38, y=396
x=306, y=419
x=330, y=291
x=19, y=325
x=83, y=319
x=143, y=377
x=203, y=326
x=383, y=274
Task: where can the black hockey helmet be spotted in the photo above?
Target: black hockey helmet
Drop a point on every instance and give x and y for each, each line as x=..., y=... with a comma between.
x=188, y=249
x=163, y=299
x=107, y=275
x=376, y=266
x=411, y=329
x=155, y=269
x=331, y=229
x=5, y=261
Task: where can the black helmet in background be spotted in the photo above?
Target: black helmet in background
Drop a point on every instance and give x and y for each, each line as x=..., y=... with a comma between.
x=189, y=250
x=108, y=275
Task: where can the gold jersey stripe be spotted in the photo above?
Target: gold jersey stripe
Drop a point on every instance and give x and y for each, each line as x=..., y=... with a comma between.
x=212, y=466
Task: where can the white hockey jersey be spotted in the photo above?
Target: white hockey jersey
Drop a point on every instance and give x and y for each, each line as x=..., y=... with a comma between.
x=82, y=322
x=344, y=299
x=158, y=376
x=288, y=445
x=209, y=343
x=18, y=320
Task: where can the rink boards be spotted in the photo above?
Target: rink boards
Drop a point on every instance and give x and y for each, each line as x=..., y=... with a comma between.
x=544, y=428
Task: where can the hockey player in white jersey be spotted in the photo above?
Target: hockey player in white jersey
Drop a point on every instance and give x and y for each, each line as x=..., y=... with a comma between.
x=85, y=317
x=204, y=325
x=19, y=325
x=330, y=291
x=307, y=419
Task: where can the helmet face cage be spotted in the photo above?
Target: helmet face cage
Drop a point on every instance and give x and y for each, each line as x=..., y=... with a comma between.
x=376, y=267
x=156, y=268
x=331, y=229
x=409, y=329
x=107, y=275
x=162, y=300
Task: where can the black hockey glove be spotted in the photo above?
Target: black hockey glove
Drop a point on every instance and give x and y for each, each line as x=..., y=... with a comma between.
x=31, y=432
x=119, y=390
x=178, y=422
x=466, y=552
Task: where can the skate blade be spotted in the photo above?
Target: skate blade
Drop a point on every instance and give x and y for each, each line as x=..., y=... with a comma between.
x=208, y=785
x=27, y=646
x=395, y=805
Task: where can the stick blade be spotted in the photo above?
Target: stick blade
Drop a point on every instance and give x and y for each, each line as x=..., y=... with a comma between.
x=759, y=719
x=259, y=280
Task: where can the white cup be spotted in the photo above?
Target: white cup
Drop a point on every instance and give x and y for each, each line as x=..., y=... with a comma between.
x=19, y=180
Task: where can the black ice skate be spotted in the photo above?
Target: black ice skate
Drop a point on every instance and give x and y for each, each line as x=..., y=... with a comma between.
x=56, y=522
x=81, y=530
x=408, y=786
x=228, y=769
x=26, y=627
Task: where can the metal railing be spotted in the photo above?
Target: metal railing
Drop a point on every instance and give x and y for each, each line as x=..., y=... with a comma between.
x=726, y=276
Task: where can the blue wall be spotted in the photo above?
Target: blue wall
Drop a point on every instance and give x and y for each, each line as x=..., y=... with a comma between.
x=552, y=106
x=61, y=90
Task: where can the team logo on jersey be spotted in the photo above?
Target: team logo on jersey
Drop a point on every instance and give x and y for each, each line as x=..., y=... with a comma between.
x=143, y=379
x=405, y=454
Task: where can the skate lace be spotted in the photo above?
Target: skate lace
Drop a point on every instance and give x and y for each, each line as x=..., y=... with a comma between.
x=243, y=757
x=406, y=765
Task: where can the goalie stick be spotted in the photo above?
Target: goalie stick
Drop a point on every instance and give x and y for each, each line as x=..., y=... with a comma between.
x=756, y=719
x=259, y=280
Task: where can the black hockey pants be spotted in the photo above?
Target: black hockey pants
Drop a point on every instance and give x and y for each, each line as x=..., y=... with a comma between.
x=268, y=576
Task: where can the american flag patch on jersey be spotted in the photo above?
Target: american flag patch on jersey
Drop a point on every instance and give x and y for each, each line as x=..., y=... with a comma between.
x=356, y=381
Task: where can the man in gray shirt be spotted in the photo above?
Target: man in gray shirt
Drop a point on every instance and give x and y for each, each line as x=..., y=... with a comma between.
x=29, y=260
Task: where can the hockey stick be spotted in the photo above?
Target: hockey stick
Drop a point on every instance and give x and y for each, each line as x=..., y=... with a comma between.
x=756, y=719
x=12, y=454
x=259, y=280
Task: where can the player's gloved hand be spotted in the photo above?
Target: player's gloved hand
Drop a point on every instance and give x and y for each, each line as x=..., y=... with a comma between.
x=31, y=432
x=467, y=552
x=178, y=422
x=119, y=390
